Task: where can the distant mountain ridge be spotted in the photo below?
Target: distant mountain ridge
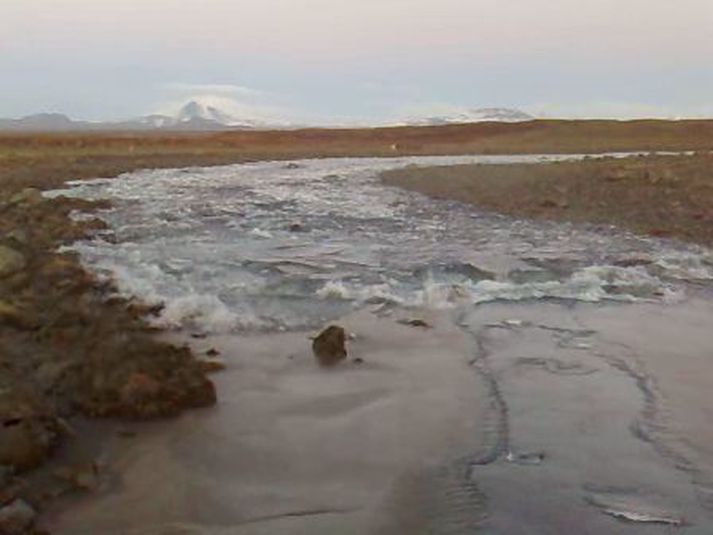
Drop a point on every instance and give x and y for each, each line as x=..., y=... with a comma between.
x=475, y=115
x=195, y=115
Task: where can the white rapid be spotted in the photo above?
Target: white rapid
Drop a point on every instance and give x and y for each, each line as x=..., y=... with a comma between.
x=269, y=245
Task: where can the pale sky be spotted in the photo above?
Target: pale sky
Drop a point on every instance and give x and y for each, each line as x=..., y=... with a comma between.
x=367, y=59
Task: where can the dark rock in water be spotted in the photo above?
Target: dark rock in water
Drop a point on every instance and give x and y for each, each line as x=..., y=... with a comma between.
x=212, y=352
x=358, y=360
x=415, y=323
x=329, y=346
x=17, y=518
x=296, y=227
x=633, y=262
x=458, y=270
x=292, y=165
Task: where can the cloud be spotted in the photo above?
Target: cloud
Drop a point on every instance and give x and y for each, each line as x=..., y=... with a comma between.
x=213, y=89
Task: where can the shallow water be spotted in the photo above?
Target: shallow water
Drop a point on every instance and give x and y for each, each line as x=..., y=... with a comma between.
x=274, y=246
x=586, y=408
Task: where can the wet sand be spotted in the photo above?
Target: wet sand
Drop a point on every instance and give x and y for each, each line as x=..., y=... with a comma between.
x=532, y=418
x=294, y=448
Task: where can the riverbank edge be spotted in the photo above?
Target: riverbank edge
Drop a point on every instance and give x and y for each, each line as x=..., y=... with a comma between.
x=664, y=196
x=69, y=346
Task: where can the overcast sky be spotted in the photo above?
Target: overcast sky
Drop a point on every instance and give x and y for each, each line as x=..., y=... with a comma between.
x=372, y=59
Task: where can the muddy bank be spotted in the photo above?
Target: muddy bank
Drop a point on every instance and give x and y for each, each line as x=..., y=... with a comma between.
x=68, y=348
x=665, y=196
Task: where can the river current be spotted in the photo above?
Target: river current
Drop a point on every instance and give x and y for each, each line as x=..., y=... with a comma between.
x=270, y=245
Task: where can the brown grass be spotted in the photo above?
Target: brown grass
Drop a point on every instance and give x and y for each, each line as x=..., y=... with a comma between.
x=46, y=160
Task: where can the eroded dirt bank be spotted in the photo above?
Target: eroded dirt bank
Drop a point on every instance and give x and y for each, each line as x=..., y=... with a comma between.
x=68, y=348
x=667, y=196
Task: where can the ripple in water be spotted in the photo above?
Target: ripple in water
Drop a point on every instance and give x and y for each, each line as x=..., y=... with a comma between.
x=269, y=246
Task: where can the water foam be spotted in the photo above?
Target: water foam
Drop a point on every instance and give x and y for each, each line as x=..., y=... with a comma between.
x=220, y=249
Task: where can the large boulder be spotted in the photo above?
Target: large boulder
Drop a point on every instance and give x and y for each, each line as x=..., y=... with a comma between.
x=329, y=346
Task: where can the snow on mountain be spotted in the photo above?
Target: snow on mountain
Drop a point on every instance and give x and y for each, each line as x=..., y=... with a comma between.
x=476, y=115
x=198, y=114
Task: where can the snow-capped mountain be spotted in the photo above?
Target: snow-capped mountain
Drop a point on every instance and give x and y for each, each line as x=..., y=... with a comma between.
x=195, y=111
x=197, y=115
x=476, y=115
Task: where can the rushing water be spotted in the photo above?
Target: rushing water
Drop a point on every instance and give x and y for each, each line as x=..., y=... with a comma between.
x=282, y=246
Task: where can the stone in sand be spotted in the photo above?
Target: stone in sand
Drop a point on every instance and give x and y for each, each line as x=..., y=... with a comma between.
x=328, y=346
x=27, y=433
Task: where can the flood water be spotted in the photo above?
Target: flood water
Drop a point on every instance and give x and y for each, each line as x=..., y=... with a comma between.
x=578, y=354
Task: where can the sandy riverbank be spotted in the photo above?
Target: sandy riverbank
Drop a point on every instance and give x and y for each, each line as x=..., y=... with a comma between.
x=540, y=417
x=668, y=196
x=294, y=448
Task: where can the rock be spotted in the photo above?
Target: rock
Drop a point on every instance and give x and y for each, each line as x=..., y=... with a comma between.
x=17, y=518
x=292, y=165
x=27, y=434
x=633, y=262
x=11, y=261
x=415, y=323
x=212, y=365
x=82, y=477
x=212, y=352
x=329, y=346
x=296, y=227
x=358, y=360
x=28, y=196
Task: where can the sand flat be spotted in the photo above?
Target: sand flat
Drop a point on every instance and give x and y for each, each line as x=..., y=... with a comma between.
x=292, y=448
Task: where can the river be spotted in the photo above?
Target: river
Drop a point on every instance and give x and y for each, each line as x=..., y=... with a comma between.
x=561, y=388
